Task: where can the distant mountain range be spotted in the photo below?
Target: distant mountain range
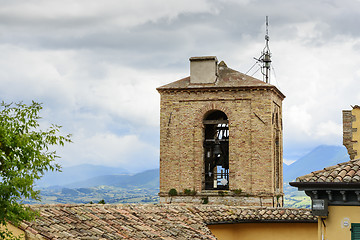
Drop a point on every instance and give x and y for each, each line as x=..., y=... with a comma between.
x=83, y=172
x=90, y=183
x=319, y=158
x=87, y=176
x=146, y=179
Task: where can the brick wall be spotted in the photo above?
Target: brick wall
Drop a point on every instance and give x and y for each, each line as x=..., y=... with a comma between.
x=252, y=129
x=348, y=130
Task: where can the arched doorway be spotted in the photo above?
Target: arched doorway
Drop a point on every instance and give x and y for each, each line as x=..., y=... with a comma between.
x=216, y=151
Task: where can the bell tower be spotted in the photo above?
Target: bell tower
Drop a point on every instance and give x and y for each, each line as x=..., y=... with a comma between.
x=220, y=138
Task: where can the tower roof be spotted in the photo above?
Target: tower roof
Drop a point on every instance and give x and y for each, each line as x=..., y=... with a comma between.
x=227, y=79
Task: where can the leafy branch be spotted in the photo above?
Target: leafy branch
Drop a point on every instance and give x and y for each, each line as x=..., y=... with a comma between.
x=25, y=156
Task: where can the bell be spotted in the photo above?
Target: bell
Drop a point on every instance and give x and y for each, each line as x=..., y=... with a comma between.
x=217, y=149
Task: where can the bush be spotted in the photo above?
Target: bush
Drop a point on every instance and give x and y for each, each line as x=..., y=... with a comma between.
x=205, y=200
x=173, y=192
x=189, y=192
x=237, y=191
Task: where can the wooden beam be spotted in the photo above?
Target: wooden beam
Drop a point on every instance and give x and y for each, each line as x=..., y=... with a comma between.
x=208, y=122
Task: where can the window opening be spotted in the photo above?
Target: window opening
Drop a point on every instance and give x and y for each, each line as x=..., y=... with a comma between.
x=277, y=161
x=355, y=231
x=216, y=151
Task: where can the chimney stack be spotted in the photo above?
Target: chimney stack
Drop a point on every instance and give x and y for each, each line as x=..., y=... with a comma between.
x=203, y=70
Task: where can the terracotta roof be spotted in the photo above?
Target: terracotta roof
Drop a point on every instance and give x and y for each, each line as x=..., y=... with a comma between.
x=228, y=78
x=97, y=221
x=347, y=172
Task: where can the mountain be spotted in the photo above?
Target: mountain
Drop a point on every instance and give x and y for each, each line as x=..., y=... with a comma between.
x=285, y=167
x=146, y=179
x=319, y=158
x=77, y=173
x=108, y=180
x=87, y=175
x=121, y=188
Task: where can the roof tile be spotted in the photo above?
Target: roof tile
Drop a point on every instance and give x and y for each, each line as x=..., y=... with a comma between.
x=227, y=78
x=342, y=172
x=147, y=221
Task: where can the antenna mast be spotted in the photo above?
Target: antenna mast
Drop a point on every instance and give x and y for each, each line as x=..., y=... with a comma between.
x=266, y=55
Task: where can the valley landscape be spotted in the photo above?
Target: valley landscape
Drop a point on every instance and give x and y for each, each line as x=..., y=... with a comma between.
x=92, y=184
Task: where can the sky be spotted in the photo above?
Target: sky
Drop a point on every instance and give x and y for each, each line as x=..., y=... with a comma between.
x=95, y=66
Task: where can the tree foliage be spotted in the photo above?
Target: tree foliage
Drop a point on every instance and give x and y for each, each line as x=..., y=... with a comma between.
x=26, y=153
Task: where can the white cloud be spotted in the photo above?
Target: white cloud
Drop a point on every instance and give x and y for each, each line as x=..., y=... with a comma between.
x=26, y=74
x=129, y=94
x=126, y=151
x=328, y=128
x=108, y=13
x=319, y=82
x=299, y=119
x=96, y=65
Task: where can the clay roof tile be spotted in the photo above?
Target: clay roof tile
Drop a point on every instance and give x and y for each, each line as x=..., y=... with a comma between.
x=351, y=173
x=227, y=78
x=342, y=172
x=148, y=221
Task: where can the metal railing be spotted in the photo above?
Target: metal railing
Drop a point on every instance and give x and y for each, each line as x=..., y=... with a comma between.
x=216, y=180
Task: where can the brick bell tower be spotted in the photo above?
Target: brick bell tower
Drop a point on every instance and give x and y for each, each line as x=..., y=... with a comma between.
x=220, y=138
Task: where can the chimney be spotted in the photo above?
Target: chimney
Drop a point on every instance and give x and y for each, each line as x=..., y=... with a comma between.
x=203, y=69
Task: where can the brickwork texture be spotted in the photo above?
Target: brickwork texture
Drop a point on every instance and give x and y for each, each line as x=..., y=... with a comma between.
x=351, y=135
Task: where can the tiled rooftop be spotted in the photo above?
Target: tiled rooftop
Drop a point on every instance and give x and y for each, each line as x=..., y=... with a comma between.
x=228, y=78
x=347, y=172
x=97, y=221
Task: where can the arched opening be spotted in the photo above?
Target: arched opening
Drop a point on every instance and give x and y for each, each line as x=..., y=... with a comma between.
x=216, y=151
x=277, y=149
x=277, y=164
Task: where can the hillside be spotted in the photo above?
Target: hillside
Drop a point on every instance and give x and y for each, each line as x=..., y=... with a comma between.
x=149, y=178
x=77, y=173
x=319, y=158
x=125, y=188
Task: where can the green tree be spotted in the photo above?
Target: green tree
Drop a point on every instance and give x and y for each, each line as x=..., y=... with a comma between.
x=26, y=153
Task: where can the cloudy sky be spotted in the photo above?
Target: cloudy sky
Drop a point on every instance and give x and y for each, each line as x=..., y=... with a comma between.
x=95, y=65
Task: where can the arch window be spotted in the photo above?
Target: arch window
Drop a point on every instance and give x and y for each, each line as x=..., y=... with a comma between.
x=216, y=151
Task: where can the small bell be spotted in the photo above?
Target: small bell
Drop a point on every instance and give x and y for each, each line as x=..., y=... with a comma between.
x=217, y=149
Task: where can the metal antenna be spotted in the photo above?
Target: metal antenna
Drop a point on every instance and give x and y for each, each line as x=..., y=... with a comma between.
x=266, y=55
x=265, y=58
